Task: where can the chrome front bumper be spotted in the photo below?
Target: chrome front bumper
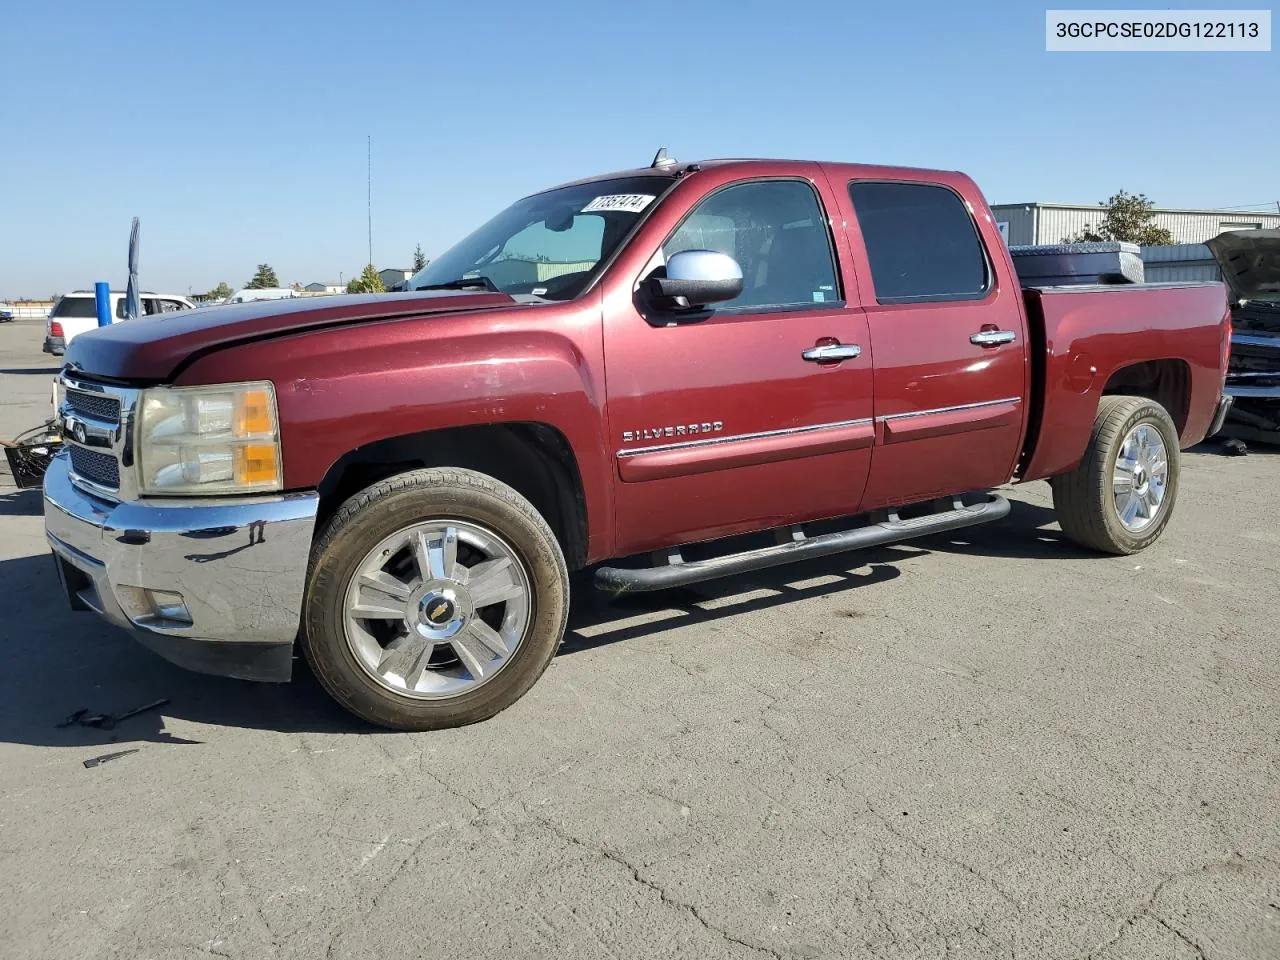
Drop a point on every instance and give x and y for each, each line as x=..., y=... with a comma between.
x=1256, y=387
x=236, y=565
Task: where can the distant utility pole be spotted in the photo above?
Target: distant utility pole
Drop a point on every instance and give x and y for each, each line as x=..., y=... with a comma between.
x=369, y=197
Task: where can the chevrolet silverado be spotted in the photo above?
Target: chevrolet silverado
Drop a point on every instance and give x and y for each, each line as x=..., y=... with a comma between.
x=664, y=375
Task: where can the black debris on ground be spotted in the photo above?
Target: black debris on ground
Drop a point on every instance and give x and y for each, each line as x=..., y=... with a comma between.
x=100, y=760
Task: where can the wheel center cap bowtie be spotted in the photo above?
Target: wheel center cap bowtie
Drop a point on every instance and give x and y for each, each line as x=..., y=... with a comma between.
x=438, y=609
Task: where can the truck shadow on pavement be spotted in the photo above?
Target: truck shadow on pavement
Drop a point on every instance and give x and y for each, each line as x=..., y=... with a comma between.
x=20, y=503
x=58, y=662
x=1214, y=448
x=1029, y=532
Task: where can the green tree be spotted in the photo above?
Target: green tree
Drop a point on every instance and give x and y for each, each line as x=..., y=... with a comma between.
x=265, y=277
x=220, y=292
x=1127, y=217
x=367, y=282
x=419, y=259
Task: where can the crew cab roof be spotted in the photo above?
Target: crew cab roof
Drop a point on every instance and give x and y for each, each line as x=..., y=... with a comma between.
x=761, y=166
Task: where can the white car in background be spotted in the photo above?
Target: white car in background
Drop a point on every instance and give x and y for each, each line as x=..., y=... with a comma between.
x=77, y=312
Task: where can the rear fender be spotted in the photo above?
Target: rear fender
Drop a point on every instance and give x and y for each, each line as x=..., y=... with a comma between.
x=1090, y=333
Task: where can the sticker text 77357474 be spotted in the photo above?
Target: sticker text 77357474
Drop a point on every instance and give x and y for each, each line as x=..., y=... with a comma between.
x=624, y=202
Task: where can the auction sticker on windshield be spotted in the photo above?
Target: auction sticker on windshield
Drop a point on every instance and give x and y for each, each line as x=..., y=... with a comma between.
x=625, y=202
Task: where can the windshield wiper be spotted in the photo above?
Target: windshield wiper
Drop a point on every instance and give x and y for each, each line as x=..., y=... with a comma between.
x=463, y=283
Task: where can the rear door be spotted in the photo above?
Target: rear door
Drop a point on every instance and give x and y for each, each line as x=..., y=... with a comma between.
x=728, y=420
x=949, y=342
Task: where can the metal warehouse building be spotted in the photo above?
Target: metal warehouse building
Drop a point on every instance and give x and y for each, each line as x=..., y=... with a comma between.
x=1023, y=223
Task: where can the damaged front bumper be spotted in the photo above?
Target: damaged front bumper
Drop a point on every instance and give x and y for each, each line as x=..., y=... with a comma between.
x=212, y=585
x=1253, y=383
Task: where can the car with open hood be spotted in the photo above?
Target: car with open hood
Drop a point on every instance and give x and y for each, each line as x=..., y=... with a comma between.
x=1250, y=264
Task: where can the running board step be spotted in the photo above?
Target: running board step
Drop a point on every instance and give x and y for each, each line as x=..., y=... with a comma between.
x=793, y=545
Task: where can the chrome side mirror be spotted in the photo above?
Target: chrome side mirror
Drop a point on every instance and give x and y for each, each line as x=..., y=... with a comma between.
x=696, y=278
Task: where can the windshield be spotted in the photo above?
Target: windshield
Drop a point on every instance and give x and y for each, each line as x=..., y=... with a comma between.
x=548, y=245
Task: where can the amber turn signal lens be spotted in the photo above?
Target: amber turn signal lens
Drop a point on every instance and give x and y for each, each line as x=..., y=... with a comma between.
x=256, y=463
x=253, y=413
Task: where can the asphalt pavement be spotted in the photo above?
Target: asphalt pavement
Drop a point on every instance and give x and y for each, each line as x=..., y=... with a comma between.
x=986, y=744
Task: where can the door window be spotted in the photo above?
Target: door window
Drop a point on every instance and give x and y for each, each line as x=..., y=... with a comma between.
x=921, y=242
x=171, y=306
x=146, y=307
x=777, y=232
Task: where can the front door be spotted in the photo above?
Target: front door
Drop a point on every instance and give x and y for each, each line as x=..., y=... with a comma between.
x=949, y=343
x=737, y=418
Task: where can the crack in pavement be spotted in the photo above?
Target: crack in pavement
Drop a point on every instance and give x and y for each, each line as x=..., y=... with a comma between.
x=944, y=858
x=1179, y=934
x=633, y=871
x=1146, y=908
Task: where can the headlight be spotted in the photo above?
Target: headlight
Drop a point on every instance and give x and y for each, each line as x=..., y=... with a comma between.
x=222, y=439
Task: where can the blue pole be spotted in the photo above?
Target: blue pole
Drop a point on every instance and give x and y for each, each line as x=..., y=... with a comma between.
x=102, y=295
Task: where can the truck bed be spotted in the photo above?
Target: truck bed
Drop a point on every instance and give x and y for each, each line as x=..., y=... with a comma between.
x=1088, y=339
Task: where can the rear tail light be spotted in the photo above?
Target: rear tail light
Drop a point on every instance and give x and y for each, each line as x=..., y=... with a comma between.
x=55, y=328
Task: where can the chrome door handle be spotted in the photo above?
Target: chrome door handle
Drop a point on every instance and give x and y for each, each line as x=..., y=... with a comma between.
x=992, y=338
x=832, y=352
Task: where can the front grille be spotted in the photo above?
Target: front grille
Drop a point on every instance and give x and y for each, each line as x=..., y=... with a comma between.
x=100, y=468
x=94, y=405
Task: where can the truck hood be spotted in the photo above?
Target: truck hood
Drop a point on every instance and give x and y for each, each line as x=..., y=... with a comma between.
x=152, y=348
x=1250, y=262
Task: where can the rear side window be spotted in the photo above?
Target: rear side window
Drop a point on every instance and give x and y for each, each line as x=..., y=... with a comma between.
x=921, y=242
x=75, y=307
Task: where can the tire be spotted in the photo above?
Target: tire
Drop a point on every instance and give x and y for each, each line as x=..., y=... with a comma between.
x=343, y=649
x=1086, y=498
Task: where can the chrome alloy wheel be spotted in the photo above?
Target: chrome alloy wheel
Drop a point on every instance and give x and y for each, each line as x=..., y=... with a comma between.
x=437, y=609
x=1140, y=478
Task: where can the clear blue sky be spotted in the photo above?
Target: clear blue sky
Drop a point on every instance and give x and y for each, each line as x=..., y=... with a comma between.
x=236, y=130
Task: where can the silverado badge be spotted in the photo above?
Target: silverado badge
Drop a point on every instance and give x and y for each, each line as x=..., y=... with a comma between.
x=679, y=430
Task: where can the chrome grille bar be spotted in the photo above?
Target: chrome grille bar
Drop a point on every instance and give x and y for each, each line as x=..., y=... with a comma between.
x=96, y=421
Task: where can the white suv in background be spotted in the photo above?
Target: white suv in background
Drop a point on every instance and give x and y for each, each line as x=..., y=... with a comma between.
x=77, y=312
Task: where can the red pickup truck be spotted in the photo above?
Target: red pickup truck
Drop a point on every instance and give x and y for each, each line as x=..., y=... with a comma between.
x=668, y=374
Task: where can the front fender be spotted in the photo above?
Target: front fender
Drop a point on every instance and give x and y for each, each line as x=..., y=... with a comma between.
x=341, y=389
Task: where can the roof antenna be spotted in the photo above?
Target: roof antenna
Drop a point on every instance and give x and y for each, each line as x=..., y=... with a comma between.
x=660, y=159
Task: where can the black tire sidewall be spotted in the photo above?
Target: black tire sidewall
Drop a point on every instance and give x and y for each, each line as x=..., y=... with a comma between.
x=424, y=495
